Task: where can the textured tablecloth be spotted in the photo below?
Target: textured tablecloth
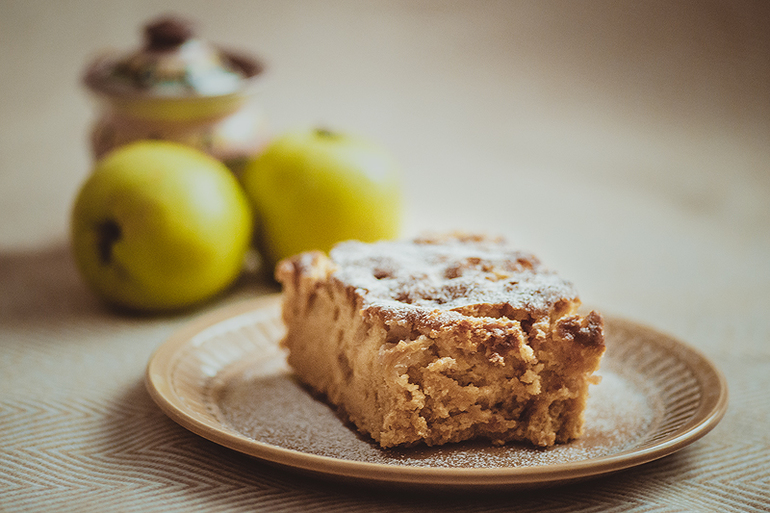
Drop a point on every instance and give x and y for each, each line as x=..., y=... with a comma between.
x=625, y=143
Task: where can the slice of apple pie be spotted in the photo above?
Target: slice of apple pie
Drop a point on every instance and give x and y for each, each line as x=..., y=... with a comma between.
x=441, y=339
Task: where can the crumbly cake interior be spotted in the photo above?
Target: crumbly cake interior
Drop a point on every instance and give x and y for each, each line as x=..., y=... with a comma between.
x=441, y=339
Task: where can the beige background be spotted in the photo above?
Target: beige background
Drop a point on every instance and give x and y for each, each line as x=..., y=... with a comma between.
x=626, y=143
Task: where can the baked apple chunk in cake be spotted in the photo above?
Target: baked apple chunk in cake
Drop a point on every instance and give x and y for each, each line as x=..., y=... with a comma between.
x=441, y=339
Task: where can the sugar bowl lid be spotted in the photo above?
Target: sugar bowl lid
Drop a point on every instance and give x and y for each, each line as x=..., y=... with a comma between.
x=173, y=63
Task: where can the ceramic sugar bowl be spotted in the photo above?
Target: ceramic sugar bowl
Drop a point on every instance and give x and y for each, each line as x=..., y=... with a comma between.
x=179, y=87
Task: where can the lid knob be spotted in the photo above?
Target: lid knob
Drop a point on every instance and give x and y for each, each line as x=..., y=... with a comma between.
x=167, y=33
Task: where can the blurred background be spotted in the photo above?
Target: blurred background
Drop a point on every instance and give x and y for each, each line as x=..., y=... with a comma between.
x=620, y=141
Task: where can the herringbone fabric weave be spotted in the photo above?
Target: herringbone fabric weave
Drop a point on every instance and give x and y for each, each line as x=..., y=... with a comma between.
x=80, y=432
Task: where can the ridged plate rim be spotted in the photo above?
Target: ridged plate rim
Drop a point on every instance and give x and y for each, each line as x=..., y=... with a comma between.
x=190, y=406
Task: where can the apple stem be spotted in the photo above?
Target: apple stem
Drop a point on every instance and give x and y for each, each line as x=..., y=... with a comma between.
x=107, y=234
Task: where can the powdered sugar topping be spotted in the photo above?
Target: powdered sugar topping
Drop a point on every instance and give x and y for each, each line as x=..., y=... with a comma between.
x=449, y=274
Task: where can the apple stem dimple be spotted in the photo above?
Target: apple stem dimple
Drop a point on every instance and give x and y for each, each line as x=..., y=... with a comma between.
x=325, y=132
x=107, y=234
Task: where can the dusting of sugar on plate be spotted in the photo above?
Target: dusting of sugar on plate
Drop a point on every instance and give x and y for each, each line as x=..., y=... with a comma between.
x=273, y=408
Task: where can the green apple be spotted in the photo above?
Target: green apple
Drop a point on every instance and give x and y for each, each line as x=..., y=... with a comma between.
x=313, y=188
x=160, y=226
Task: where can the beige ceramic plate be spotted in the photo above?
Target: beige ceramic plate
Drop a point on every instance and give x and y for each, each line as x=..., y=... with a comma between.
x=224, y=378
